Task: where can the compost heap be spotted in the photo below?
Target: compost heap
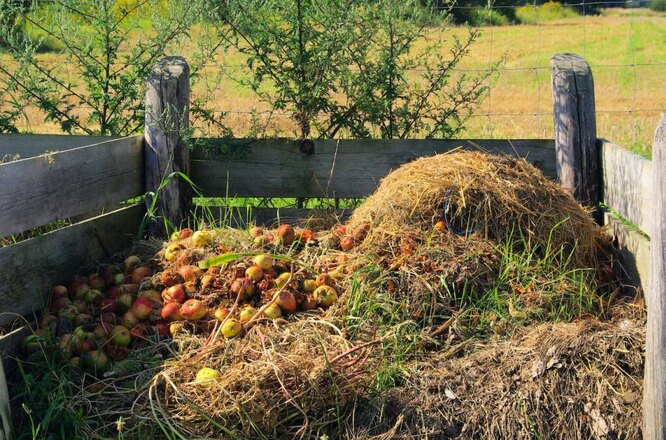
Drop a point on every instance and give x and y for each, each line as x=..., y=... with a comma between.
x=420, y=316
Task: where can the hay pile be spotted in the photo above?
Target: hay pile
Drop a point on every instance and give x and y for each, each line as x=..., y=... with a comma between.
x=284, y=379
x=477, y=194
x=555, y=381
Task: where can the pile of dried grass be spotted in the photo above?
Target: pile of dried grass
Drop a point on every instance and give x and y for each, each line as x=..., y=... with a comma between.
x=495, y=196
x=581, y=380
x=281, y=380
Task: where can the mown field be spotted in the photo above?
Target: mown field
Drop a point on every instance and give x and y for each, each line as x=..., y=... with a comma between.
x=626, y=49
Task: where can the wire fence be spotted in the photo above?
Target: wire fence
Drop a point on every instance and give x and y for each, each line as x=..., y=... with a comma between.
x=627, y=64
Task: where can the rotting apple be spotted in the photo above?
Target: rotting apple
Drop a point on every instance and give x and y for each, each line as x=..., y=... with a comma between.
x=246, y=314
x=325, y=295
x=174, y=294
x=287, y=301
x=120, y=335
x=131, y=263
x=202, y=239
x=141, y=308
x=254, y=273
x=285, y=235
x=170, y=278
x=264, y=261
x=272, y=311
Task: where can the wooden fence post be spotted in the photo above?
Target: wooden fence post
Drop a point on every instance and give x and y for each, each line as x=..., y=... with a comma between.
x=654, y=386
x=576, y=147
x=167, y=122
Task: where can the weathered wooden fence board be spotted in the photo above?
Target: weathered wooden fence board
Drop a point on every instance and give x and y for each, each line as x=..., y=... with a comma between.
x=5, y=413
x=348, y=168
x=39, y=190
x=32, y=266
x=634, y=249
x=30, y=145
x=627, y=184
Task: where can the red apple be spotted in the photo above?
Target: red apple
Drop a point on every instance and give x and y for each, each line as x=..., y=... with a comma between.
x=185, y=233
x=78, y=290
x=193, y=310
x=347, y=243
x=286, y=235
x=162, y=328
x=108, y=305
x=221, y=313
x=129, y=320
x=113, y=293
x=131, y=263
x=287, y=301
x=174, y=294
x=60, y=303
x=140, y=273
x=171, y=312
x=130, y=288
x=59, y=292
x=141, y=308
x=108, y=318
x=96, y=282
x=243, y=287
x=139, y=331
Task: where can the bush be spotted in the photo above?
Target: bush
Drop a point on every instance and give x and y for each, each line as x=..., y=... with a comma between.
x=658, y=5
x=529, y=14
x=484, y=17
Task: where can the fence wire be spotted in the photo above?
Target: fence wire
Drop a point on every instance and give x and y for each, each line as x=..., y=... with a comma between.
x=625, y=113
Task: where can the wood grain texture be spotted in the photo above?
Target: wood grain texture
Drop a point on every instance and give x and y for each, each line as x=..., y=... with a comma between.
x=167, y=120
x=350, y=168
x=6, y=432
x=32, y=266
x=634, y=252
x=30, y=145
x=42, y=189
x=654, y=396
x=575, y=128
x=627, y=184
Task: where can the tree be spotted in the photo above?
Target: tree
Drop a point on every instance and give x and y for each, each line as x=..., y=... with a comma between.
x=351, y=67
x=99, y=87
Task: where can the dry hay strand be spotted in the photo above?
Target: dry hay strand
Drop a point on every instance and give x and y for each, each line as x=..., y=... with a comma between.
x=280, y=380
x=581, y=380
x=478, y=194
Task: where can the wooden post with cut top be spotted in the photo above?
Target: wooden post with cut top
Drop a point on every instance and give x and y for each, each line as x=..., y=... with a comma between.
x=654, y=384
x=166, y=152
x=578, y=162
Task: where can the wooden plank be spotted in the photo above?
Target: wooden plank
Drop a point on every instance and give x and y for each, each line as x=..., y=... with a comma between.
x=6, y=432
x=167, y=121
x=654, y=396
x=244, y=217
x=30, y=145
x=348, y=168
x=634, y=253
x=39, y=190
x=32, y=266
x=10, y=345
x=576, y=129
x=627, y=184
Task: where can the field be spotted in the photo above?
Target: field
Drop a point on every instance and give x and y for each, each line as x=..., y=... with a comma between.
x=626, y=49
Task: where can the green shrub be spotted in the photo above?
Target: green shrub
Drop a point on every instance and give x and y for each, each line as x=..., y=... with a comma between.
x=530, y=14
x=658, y=5
x=485, y=17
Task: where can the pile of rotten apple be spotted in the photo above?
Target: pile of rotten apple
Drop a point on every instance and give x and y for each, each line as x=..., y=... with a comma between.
x=102, y=316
